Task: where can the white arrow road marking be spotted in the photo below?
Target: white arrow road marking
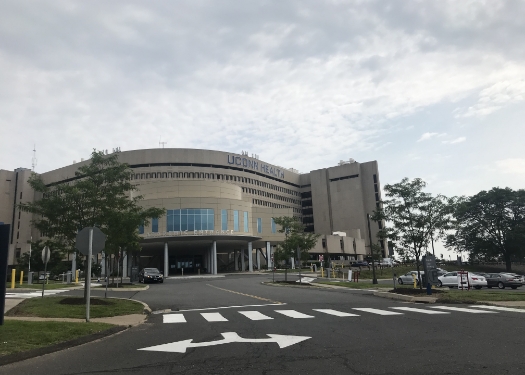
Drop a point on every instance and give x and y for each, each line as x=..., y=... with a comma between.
x=180, y=346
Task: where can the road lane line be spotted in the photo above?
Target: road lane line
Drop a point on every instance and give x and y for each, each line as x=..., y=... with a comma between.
x=244, y=294
x=254, y=315
x=462, y=309
x=499, y=308
x=173, y=318
x=294, y=314
x=214, y=317
x=423, y=311
x=334, y=312
x=377, y=311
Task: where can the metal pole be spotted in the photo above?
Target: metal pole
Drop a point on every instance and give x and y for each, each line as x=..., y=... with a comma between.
x=46, y=249
x=30, y=253
x=374, y=279
x=88, y=276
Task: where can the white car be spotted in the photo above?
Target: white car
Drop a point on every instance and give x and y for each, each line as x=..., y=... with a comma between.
x=450, y=279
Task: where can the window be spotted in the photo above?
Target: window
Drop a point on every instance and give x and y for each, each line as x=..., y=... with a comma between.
x=273, y=226
x=235, y=221
x=246, y=222
x=155, y=225
x=224, y=219
x=141, y=228
x=259, y=225
x=190, y=219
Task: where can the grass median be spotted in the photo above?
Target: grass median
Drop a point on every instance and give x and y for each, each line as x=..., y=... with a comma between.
x=74, y=307
x=19, y=336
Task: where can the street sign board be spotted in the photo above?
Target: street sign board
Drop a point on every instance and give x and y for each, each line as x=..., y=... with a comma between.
x=46, y=254
x=82, y=243
x=430, y=268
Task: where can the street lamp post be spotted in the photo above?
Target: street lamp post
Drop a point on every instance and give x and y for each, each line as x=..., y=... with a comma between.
x=374, y=278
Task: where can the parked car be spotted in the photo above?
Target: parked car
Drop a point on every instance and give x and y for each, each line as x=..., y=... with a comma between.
x=150, y=275
x=502, y=280
x=441, y=271
x=360, y=263
x=521, y=277
x=450, y=279
x=408, y=279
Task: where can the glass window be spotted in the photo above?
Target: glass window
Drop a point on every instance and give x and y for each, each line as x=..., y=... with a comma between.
x=224, y=219
x=155, y=225
x=259, y=225
x=235, y=221
x=273, y=226
x=141, y=228
x=190, y=219
x=246, y=222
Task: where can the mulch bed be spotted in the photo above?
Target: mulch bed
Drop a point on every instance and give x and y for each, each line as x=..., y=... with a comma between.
x=82, y=301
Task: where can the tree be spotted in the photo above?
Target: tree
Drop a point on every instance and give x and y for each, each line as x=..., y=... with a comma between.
x=410, y=210
x=491, y=224
x=99, y=195
x=297, y=242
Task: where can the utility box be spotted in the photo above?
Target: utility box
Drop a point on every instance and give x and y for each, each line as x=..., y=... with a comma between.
x=134, y=274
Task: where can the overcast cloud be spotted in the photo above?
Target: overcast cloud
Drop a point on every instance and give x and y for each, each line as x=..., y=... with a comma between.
x=430, y=89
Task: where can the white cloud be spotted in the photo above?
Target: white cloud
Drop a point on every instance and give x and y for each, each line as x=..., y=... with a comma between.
x=457, y=140
x=427, y=136
x=511, y=166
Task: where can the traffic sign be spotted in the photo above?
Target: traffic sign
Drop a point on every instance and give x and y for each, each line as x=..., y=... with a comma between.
x=46, y=254
x=228, y=337
x=82, y=243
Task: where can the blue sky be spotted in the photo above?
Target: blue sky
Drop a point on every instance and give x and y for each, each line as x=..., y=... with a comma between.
x=430, y=89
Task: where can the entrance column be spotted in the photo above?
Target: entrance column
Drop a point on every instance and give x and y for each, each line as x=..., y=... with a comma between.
x=250, y=257
x=235, y=260
x=258, y=257
x=102, y=265
x=124, y=264
x=269, y=255
x=243, y=266
x=165, y=259
x=214, y=257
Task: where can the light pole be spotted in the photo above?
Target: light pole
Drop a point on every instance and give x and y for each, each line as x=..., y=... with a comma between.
x=374, y=278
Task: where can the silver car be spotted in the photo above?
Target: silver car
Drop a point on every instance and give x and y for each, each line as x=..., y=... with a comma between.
x=408, y=279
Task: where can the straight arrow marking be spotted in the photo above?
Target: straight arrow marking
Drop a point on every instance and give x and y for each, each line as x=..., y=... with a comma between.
x=228, y=337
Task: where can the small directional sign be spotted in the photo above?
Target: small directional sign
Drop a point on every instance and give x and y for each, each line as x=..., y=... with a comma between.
x=180, y=346
x=46, y=254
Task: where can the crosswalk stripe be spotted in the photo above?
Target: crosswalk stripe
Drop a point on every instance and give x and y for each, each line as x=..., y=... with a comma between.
x=173, y=318
x=214, y=317
x=500, y=308
x=335, y=312
x=293, y=314
x=462, y=309
x=377, y=311
x=254, y=315
x=413, y=309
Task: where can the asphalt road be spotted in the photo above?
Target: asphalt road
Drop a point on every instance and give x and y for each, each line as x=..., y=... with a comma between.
x=362, y=342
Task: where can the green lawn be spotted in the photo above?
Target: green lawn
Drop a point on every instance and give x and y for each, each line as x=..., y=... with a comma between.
x=54, y=307
x=18, y=336
x=479, y=296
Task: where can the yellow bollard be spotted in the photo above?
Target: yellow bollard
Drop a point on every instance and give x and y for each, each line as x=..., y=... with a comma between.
x=322, y=272
x=333, y=273
x=21, y=277
x=415, y=283
x=76, y=276
x=13, y=277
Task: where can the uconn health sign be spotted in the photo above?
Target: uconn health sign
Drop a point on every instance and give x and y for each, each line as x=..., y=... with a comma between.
x=255, y=165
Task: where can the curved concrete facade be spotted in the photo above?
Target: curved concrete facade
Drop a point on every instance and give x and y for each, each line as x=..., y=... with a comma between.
x=229, y=185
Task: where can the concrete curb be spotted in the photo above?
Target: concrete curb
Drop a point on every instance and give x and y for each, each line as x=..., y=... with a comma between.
x=403, y=297
x=16, y=357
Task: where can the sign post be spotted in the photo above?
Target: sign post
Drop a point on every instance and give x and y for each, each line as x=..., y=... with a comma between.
x=90, y=240
x=46, y=254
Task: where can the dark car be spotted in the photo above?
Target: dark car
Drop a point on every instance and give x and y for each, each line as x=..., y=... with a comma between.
x=150, y=275
x=360, y=263
x=502, y=280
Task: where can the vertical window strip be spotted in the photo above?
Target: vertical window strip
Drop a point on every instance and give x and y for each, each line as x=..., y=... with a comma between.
x=235, y=221
x=246, y=226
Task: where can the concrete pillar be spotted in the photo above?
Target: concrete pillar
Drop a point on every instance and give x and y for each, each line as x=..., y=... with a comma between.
x=258, y=257
x=243, y=266
x=74, y=264
x=292, y=261
x=269, y=255
x=103, y=264
x=124, y=264
x=214, y=257
x=236, y=260
x=166, y=259
x=250, y=257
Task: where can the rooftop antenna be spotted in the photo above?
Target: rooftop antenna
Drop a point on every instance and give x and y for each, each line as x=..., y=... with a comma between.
x=34, y=160
x=162, y=143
